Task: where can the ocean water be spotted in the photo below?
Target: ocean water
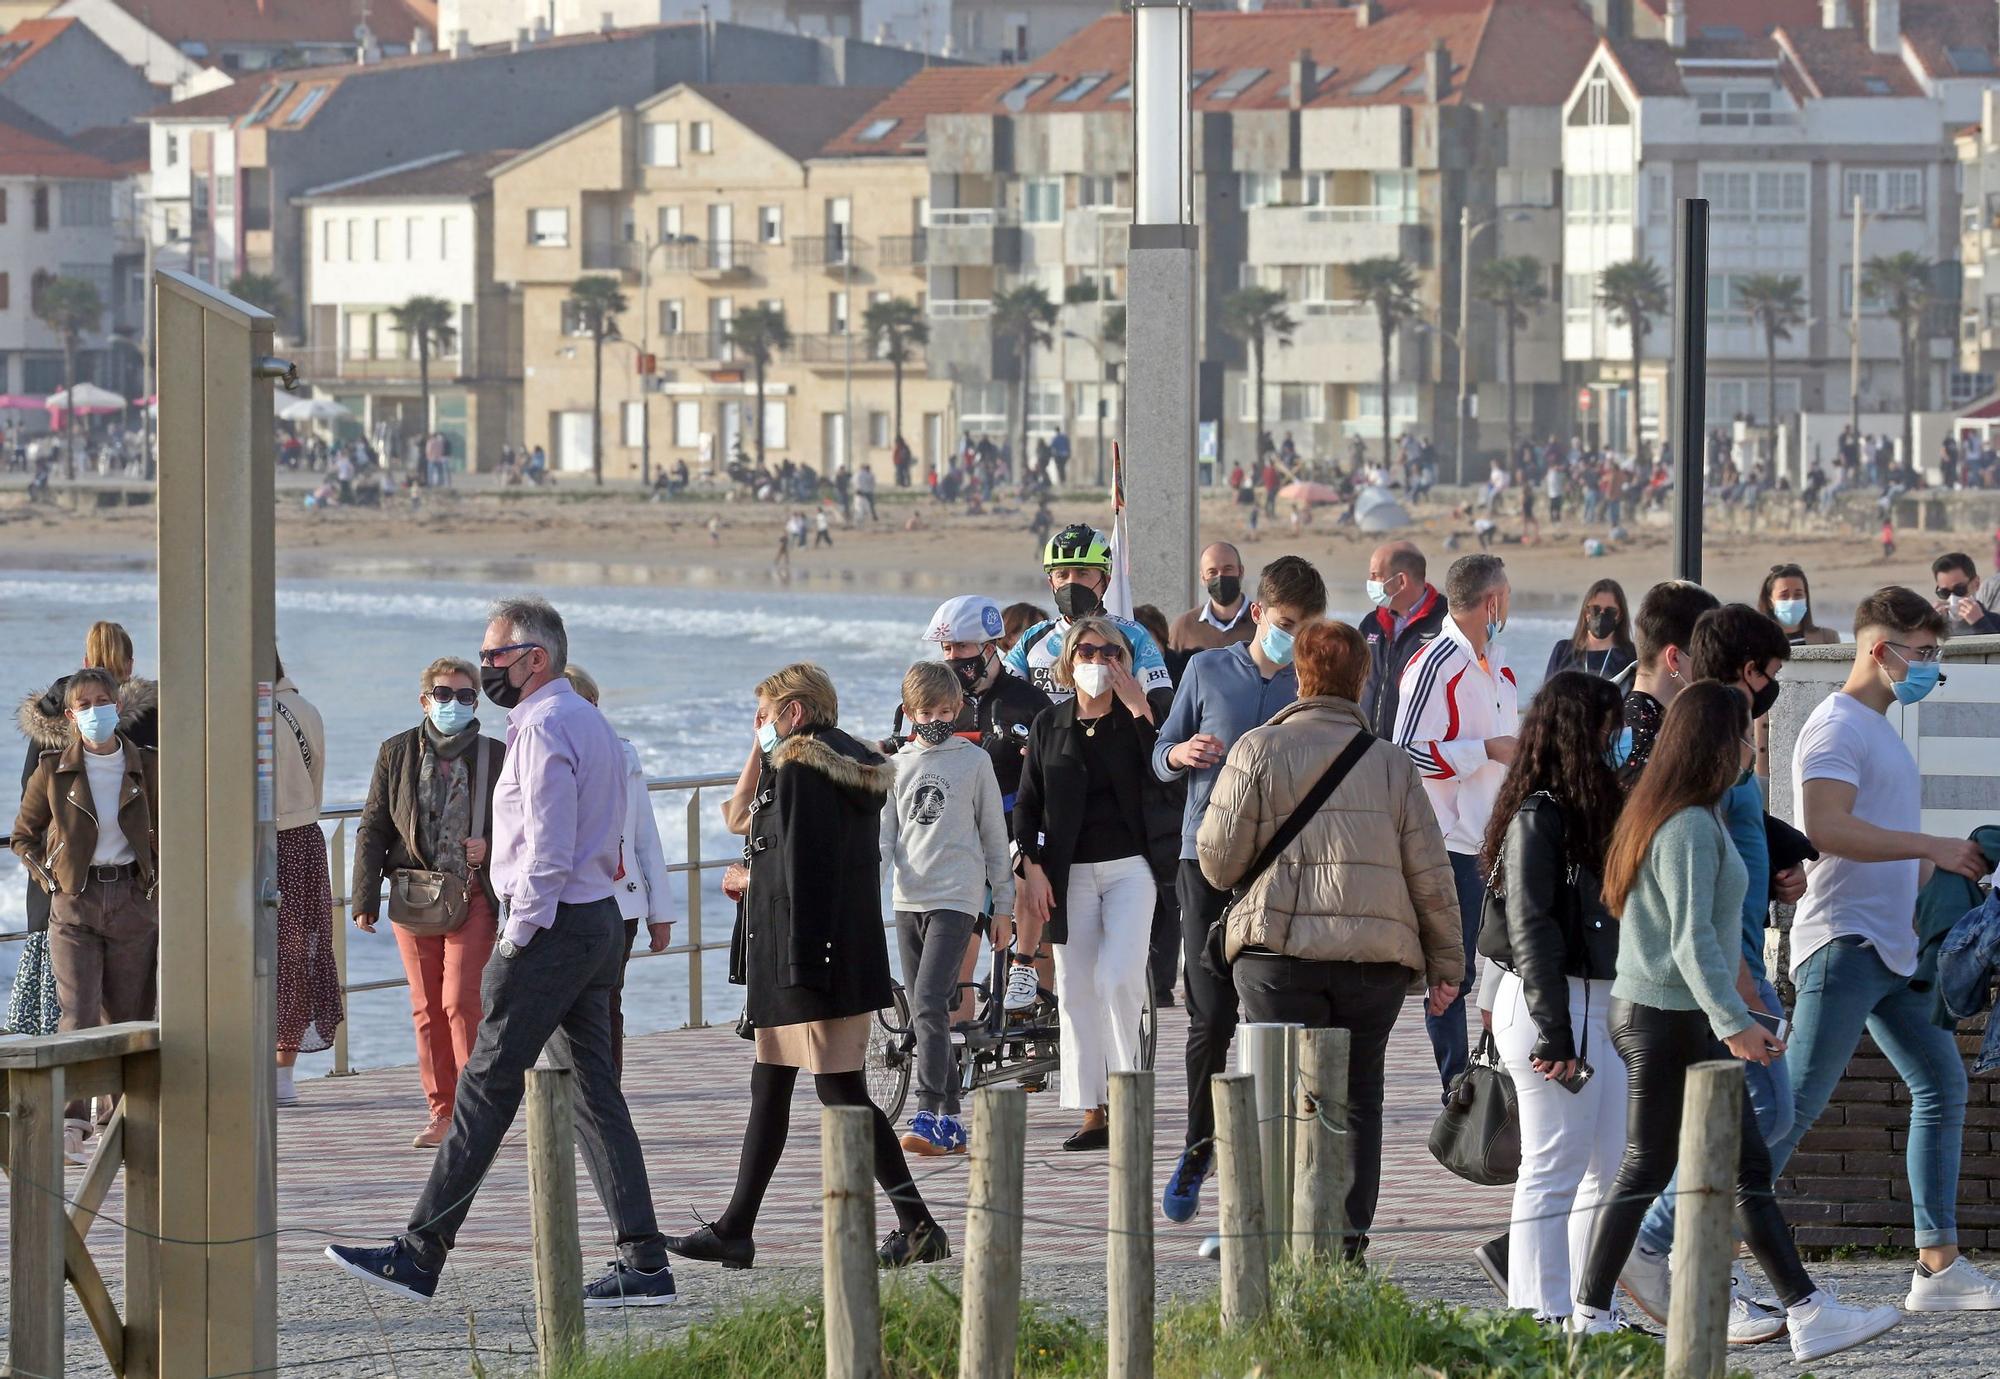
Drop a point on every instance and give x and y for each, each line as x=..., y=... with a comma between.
x=677, y=667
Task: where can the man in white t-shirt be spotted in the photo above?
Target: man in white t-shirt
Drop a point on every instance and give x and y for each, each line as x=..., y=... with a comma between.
x=1854, y=944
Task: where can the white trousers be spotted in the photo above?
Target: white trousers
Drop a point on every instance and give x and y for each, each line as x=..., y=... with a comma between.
x=1101, y=975
x=1571, y=1145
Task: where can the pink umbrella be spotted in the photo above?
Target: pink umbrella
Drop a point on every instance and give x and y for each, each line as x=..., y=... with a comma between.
x=20, y=402
x=1310, y=494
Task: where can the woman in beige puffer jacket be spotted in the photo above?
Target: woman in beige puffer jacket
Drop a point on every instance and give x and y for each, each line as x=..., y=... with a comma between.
x=1357, y=908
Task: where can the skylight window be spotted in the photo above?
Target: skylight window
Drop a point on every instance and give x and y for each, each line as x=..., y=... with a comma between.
x=10, y=51
x=1723, y=33
x=1199, y=79
x=1971, y=61
x=1081, y=87
x=1020, y=95
x=1123, y=93
x=1875, y=86
x=1239, y=81
x=1380, y=79
x=306, y=107
x=876, y=132
x=269, y=101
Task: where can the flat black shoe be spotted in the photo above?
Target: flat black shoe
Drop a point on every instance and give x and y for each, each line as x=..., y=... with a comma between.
x=622, y=1285
x=709, y=1248
x=394, y=1266
x=925, y=1245
x=1096, y=1137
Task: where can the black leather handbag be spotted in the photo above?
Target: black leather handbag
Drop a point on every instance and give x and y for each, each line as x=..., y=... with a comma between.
x=1478, y=1134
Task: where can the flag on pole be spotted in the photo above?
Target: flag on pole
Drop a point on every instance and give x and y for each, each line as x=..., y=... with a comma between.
x=1118, y=596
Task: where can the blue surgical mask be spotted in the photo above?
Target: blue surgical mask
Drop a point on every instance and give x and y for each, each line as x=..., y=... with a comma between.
x=1494, y=627
x=1919, y=679
x=1276, y=644
x=1789, y=612
x=97, y=724
x=767, y=737
x=1620, y=750
x=1377, y=595
x=450, y=717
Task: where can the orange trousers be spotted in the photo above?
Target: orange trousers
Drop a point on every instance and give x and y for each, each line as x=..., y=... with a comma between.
x=444, y=972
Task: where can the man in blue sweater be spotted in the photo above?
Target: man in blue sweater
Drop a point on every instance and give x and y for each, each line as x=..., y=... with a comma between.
x=1225, y=693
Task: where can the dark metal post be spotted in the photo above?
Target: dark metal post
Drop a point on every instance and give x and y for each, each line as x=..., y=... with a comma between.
x=1689, y=381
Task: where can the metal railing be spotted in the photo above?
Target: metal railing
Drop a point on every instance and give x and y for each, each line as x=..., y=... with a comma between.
x=1364, y=213
x=903, y=251
x=965, y=309
x=827, y=251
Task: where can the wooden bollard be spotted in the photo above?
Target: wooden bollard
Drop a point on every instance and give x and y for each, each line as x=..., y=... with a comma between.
x=847, y=1243
x=1246, y=1257
x=1128, y=1296
x=552, y=1206
x=990, y=1321
x=1704, y=1231
x=1324, y=1163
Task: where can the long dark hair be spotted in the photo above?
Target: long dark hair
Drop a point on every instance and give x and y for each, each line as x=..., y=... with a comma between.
x=1622, y=638
x=1561, y=747
x=1786, y=571
x=1694, y=761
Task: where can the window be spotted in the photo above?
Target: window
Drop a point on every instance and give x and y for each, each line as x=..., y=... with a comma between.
x=6, y=292
x=1971, y=62
x=1527, y=186
x=1018, y=98
x=701, y=136
x=1295, y=402
x=1962, y=387
x=326, y=241
x=771, y=224
x=1241, y=80
x=1198, y=79
x=632, y=423
x=1886, y=191
x=875, y=131
x=353, y=240
x=573, y=322
x=1728, y=193
x=304, y=109
x=878, y=430
x=776, y=431
x=548, y=227
x=1579, y=296
x=1041, y=201
x=670, y=224
x=673, y=316
x=836, y=313
x=663, y=145
x=1395, y=195
x=273, y=97
x=1740, y=109
x=1262, y=189
x=41, y=200
x=444, y=238
x=173, y=149
x=1597, y=196
x=1597, y=101
x=1097, y=191
x=1380, y=79
x=687, y=424
x=1081, y=87
x=384, y=248
x=86, y=204
x=1402, y=402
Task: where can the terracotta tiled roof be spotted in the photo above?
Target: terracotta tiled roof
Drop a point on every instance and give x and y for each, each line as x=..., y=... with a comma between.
x=23, y=154
x=1811, y=62
x=26, y=41
x=449, y=176
x=1933, y=30
x=933, y=91
x=1648, y=65
x=1751, y=17
x=796, y=120
x=223, y=103
x=1839, y=63
x=279, y=23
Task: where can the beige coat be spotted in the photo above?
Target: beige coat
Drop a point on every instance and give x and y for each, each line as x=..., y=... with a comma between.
x=299, y=740
x=1367, y=881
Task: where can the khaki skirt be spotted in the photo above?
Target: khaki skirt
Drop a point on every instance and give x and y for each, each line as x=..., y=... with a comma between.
x=818, y=1046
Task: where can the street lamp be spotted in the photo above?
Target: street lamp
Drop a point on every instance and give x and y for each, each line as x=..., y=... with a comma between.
x=1467, y=233
x=1103, y=382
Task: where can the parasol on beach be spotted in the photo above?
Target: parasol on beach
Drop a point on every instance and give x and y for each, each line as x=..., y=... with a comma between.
x=1311, y=494
x=313, y=409
x=90, y=400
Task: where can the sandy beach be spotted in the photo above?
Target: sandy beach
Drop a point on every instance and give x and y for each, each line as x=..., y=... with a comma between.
x=574, y=536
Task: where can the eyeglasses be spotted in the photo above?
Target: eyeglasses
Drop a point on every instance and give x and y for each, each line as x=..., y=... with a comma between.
x=492, y=657
x=444, y=694
x=1097, y=651
x=1928, y=655
x=1957, y=591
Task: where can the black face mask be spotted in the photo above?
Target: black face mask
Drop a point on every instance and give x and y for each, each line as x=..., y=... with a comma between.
x=1761, y=700
x=1224, y=590
x=1603, y=622
x=969, y=669
x=1075, y=601
x=495, y=685
x=930, y=734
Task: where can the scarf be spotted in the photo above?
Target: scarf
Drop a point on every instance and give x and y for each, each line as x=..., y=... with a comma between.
x=444, y=797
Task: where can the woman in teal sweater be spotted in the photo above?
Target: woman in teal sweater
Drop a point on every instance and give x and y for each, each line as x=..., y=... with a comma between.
x=1673, y=878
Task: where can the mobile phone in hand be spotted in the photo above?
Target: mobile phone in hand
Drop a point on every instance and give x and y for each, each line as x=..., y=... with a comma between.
x=1576, y=1081
x=1778, y=1025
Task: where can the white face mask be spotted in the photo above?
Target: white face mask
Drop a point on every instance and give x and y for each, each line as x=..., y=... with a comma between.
x=1092, y=679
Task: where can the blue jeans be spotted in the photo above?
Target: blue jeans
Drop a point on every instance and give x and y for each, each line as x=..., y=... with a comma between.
x=1842, y=988
x=1770, y=1089
x=1447, y=1031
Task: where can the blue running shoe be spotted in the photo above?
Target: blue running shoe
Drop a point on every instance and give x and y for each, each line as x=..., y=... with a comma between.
x=926, y=1137
x=1182, y=1197
x=952, y=1129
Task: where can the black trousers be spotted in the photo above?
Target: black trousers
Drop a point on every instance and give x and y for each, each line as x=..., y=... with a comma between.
x=1659, y=1046
x=1165, y=957
x=560, y=983
x=1363, y=998
x=1211, y=1002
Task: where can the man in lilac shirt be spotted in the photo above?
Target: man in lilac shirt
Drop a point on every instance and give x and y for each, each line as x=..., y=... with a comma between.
x=558, y=809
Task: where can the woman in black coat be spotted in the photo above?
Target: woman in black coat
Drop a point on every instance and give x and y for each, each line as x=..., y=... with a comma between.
x=810, y=948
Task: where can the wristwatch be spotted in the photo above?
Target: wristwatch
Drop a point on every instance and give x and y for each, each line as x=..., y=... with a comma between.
x=506, y=948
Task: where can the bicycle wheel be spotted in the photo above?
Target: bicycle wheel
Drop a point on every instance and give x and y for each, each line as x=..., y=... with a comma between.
x=891, y=1056
x=1149, y=1031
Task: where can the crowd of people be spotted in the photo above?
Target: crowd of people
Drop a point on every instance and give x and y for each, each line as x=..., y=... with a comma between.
x=1306, y=821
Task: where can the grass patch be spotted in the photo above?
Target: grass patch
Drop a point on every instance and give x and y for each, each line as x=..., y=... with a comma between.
x=1326, y=1322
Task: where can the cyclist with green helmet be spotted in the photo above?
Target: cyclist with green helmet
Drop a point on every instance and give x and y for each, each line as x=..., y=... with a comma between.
x=1077, y=562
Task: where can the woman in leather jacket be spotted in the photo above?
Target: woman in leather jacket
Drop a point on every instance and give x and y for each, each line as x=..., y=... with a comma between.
x=1556, y=948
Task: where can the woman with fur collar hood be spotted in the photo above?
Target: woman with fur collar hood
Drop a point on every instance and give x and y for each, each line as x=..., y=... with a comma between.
x=44, y=722
x=810, y=948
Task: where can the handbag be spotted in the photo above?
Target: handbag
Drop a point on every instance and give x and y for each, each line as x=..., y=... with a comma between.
x=1213, y=952
x=431, y=904
x=1478, y=1134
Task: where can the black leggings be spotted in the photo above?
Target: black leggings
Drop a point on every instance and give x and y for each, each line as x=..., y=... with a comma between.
x=1658, y=1047
x=764, y=1134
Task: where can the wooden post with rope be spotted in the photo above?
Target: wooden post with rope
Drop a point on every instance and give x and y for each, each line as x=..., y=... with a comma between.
x=1322, y=1162
x=1704, y=1231
x=847, y=1243
x=990, y=1322
x=557, y=1247
x=1128, y=1297
x=1246, y=1259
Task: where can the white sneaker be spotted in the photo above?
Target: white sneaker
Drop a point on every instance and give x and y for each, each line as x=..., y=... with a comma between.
x=1022, y=988
x=1752, y=1323
x=1592, y=1321
x=287, y=1093
x=1647, y=1282
x=76, y=1134
x=1960, y=1288
x=1821, y=1326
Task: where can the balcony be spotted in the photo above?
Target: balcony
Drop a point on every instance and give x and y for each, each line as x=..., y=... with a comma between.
x=840, y=353
x=970, y=310
x=973, y=237
x=1336, y=234
x=1340, y=342
x=713, y=261
x=1099, y=234
x=838, y=256
x=328, y=364
x=693, y=347
x=902, y=251
x=613, y=256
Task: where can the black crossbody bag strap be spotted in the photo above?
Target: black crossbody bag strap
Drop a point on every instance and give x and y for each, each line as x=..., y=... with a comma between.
x=1302, y=814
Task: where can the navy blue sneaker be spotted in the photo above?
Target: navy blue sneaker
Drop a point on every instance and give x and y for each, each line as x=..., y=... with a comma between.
x=625, y=1286
x=1182, y=1197
x=394, y=1266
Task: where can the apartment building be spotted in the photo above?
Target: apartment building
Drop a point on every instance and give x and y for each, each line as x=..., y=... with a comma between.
x=191, y=186
x=1978, y=148
x=70, y=77
x=175, y=41
x=1781, y=126
x=424, y=229
x=702, y=201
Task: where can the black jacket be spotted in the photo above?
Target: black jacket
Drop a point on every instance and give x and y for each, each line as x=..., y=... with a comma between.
x=386, y=838
x=809, y=942
x=1055, y=783
x=1388, y=654
x=1554, y=930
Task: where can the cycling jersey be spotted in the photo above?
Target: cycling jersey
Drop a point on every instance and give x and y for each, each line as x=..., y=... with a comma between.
x=1034, y=658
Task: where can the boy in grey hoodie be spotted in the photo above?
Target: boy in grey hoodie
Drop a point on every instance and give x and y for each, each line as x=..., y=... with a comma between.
x=944, y=840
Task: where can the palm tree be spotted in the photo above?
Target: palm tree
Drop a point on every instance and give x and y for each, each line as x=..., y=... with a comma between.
x=760, y=332
x=430, y=321
x=595, y=301
x=896, y=327
x=1777, y=306
x=1903, y=282
x=1636, y=295
x=265, y=291
x=70, y=307
x=1390, y=286
x=1024, y=317
x=1514, y=287
x=1257, y=315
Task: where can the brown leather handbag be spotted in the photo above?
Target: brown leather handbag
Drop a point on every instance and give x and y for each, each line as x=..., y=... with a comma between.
x=429, y=904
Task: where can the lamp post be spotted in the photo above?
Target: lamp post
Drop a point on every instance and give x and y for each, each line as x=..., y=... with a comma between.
x=1103, y=382
x=1468, y=231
